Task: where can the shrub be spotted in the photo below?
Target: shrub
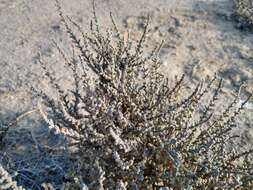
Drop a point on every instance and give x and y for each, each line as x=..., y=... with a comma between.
x=244, y=13
x=132, y=128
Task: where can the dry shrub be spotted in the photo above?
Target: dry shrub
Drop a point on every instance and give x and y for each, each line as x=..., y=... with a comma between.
x=132, y=129
x=244, y=13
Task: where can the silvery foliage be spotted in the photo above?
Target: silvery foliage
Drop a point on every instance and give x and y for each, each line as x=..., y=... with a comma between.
x=132, y=128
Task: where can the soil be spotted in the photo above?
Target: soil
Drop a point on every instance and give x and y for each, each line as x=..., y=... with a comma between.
x=201, y=39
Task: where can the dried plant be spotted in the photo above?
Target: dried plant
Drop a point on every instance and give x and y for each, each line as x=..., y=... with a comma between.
x=244, y=12
x=132, y=128
x=6, y=181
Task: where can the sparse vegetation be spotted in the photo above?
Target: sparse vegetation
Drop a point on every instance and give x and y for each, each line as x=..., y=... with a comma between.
x=244, y=13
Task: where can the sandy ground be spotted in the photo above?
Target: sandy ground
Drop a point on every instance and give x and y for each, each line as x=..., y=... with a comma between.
x=201, y=38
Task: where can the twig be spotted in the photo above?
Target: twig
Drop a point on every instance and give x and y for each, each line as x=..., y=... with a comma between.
x=21, y=116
